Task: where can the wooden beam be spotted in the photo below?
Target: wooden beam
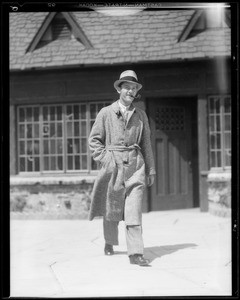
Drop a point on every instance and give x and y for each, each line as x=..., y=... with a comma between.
x=203, y=151
x=78, y=32
x=41, y=32
x=184, y=35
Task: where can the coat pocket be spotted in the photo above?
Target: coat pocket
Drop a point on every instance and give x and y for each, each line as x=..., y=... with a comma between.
x=141, y=159
x=106, y=159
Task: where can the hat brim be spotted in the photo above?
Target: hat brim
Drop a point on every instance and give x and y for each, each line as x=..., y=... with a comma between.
x=117, y=83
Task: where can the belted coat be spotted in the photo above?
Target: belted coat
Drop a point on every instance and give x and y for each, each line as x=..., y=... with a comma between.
x=123, y=148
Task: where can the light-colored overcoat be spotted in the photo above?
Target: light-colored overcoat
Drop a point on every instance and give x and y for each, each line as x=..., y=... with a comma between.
x=123, y=148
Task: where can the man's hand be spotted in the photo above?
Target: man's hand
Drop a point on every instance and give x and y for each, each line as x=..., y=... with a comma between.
x=150, y=180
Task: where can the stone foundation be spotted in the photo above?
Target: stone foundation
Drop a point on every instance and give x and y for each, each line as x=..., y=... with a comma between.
x=219, y=193
x=50, y=200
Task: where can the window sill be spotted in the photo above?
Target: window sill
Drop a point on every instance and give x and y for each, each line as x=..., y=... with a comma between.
x=51, y=180
x=219, y=175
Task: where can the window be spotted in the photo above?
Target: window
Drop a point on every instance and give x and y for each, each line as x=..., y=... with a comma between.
x=59, y=29
x=54, y=138
x=58, y=26
x=219, y=112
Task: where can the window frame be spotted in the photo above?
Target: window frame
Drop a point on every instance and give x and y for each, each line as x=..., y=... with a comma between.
x=65, y=171
x=222, y=131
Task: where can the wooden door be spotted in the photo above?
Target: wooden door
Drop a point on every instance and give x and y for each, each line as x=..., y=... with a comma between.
x=170, y=122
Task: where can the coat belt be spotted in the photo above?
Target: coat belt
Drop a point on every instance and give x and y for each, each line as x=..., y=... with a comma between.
x=123, y=148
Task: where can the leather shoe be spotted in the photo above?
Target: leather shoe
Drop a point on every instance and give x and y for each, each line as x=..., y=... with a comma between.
x=108, y=249
x=138, y=259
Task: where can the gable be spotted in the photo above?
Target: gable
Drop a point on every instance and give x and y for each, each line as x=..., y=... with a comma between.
x=58, y=26
x=203, y=20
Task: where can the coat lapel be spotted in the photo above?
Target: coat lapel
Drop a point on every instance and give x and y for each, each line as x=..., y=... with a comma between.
x=116, y=108
x=130, y=113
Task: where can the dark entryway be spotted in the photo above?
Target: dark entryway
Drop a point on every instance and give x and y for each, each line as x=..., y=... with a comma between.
x=173, y=123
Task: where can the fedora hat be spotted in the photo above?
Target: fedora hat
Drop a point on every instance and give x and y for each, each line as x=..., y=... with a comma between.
x=127, y=76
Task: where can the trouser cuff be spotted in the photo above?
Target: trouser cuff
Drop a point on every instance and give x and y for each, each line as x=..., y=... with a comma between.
x=111, y=243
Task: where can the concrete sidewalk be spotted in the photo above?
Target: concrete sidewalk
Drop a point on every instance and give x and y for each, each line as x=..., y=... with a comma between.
x=190, y=255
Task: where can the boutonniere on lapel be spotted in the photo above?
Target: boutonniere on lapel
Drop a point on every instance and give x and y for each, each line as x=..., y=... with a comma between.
x=119, y=114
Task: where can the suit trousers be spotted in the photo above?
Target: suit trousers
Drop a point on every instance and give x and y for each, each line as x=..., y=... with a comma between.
x=133, y=234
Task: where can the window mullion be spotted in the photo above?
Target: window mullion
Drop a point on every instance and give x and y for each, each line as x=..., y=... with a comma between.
x=41, y=137
x=18, y=140
x=88, y=132
x=222, y=131
x=215, y=148
x=73, y=141
x=64, y=139
x=25, y=138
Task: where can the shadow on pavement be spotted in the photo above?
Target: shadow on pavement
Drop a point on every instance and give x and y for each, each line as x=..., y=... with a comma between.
x=158, y=251
x=120, y=252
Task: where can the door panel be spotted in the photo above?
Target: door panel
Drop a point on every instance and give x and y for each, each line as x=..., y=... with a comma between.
x=170, y=122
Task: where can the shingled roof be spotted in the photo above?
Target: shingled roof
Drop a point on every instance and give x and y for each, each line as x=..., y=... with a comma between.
x=145, y=37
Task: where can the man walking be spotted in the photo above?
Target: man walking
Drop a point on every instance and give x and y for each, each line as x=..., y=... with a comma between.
x=120, y=141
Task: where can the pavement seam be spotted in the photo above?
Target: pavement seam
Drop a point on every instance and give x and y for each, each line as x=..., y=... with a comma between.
x=55, y=276
x=94, y=241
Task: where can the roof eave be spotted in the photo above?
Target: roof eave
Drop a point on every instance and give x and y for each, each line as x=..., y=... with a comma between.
x=82, y=66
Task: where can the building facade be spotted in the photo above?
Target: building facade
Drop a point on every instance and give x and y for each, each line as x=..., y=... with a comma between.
x=62, y=69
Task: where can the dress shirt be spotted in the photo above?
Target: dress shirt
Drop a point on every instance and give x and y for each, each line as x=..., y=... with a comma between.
x=123, y=107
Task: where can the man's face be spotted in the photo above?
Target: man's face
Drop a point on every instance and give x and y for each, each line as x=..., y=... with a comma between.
x=128, y=90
